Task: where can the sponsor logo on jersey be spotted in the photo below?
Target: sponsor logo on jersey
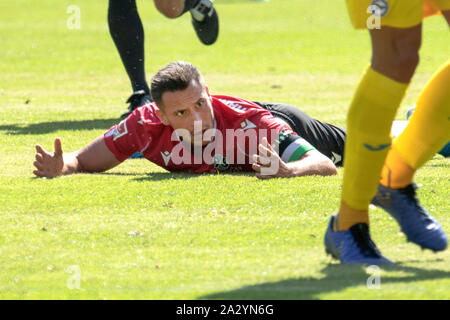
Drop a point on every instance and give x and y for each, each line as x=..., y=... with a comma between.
x=234, y=105
x=166, y=157
x=379, y=8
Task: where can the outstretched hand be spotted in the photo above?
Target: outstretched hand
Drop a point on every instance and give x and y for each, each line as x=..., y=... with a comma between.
x=268, y=163
x=47, y=164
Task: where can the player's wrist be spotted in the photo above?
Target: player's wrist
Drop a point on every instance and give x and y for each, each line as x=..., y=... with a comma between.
x=287, y=170
x=71, y=164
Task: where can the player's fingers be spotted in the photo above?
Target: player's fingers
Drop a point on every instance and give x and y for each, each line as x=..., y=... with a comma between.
x=265, y=161
x=270, y=148
x=38, y=165
x=256, y=167
x=261, y=160
x=256, y=158
x=39, y=157
x=40, y=150
x=267, y=144
x=38, y=173
x=264, y=151
x=58, y=147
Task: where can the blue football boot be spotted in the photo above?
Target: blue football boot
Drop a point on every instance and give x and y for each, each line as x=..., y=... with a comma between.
x=353, y=245
x=415, y=222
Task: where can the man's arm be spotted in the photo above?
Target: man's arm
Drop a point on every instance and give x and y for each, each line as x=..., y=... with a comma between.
x=311, y=163
x=268, y=164
x=94, y=157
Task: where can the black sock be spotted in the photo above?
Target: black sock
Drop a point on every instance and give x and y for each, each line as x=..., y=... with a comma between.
x=188, y=4
x=127, y=32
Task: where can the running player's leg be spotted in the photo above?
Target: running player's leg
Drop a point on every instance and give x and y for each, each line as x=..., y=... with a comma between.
x=375, y=103
x=204, y=17
x=395, y=48
x=426, y=133
x=127, y=32
x=410, y=150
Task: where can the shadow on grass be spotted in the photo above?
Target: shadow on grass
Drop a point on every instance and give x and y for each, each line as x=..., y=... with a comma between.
x=48, y=127
x=158, y=176
x=442, y=164
x=337, y=277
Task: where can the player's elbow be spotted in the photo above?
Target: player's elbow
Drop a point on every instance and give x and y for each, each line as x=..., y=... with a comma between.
x=315, y=163
x=330, y=168
x=326, y=167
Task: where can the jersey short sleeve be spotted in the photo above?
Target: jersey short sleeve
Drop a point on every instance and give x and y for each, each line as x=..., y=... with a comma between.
x=393, y=13
x=128, y=137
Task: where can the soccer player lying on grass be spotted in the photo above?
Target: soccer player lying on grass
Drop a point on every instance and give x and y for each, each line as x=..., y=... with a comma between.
x=187, y=129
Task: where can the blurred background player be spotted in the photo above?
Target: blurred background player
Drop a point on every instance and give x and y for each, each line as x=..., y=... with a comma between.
x=127, y=32
x=395, y=56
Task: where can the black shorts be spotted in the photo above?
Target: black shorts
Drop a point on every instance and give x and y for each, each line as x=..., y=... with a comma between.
x=326, y=138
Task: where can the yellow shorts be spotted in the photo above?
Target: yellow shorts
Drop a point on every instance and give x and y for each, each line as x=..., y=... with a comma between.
x=395, y=13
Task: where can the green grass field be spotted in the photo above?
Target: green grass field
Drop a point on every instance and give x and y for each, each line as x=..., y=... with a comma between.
x=138, y=232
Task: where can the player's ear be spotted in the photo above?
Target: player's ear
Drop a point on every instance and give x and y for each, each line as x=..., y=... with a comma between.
x=207, y=90
x=160, y=114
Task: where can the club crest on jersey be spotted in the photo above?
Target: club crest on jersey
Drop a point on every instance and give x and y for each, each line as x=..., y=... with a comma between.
x=379, y=8
x=283, y=135
x=220, y=162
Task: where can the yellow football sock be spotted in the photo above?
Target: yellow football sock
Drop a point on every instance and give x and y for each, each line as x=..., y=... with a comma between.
x=429, y=126
x=348, y=217
x=369, y=121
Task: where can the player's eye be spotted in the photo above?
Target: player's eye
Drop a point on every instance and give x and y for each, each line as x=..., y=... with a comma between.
x=200, y=103
x=180, y=113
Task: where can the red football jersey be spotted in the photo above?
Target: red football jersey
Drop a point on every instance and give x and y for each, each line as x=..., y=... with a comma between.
x=239, y=127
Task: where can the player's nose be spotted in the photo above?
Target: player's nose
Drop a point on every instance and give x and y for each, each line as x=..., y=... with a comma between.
x=196, y=121
x=196, y=116
x=196, y=125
